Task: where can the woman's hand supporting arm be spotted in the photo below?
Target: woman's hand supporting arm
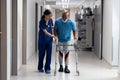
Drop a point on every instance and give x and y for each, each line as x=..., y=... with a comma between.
x=49, y=34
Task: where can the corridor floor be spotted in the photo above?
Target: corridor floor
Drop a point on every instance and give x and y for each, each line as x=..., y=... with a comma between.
x=90, y=67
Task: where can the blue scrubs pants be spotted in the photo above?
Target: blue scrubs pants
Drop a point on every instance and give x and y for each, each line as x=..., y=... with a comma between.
x=45, y=47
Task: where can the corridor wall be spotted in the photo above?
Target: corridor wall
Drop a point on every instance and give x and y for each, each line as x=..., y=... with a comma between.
x=111, y=31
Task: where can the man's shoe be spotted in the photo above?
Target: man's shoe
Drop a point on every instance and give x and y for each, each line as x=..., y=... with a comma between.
x=66, y=69
x=61, y=68
x=47, y=71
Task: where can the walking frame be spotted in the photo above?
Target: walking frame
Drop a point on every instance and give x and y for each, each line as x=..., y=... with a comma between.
x=76, y=48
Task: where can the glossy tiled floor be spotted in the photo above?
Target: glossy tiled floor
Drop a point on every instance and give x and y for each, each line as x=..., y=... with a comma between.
x=90, y=67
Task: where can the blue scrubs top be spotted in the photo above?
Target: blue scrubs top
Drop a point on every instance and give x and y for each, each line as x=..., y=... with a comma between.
x=42, y=25
x=64, y=29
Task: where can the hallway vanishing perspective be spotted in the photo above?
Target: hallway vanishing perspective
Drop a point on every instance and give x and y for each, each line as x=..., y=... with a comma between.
x=98, y=36
x=90, y=67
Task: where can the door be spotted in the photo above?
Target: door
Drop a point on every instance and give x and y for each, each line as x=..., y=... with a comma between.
x=98, y=28
x=24, y=34
x=36, y=26
x=14, y=38
x=3, y=40
x=0, y=38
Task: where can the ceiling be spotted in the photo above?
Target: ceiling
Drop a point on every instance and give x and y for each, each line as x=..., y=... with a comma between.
x=72, y=3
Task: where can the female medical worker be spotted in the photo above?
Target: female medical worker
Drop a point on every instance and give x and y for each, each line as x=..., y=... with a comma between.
x=45, y=41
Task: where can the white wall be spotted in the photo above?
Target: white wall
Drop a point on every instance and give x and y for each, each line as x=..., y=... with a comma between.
x=107, y=31
x=39, y=13
x=39, y=10
x=119, y=42
x=72, y=14
x=53, y=17
x=111, y=31
x=19, y=30
x=72, y=17
x=115, y=30
x=30, y=28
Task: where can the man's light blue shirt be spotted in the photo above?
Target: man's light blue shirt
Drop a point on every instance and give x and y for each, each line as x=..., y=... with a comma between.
x=64, y=29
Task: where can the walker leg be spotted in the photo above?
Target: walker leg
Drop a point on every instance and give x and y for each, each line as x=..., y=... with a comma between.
x=77, y=71
x=55, y=71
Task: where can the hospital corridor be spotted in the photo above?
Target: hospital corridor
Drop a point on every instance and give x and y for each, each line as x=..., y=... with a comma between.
x=59, y=39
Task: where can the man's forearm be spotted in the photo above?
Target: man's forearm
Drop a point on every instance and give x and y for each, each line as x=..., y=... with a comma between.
x=74, y=34
x=55, y=32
